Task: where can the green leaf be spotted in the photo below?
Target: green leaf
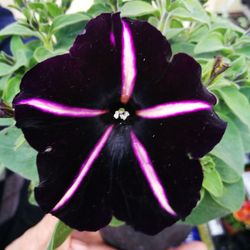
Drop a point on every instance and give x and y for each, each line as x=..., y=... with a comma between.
x=227, y=173
x=60, y=234
x=171, y=33
x=2, y=169
x=246, y=91
x=19, y=52
x=213, y=207
x=97, y=9
x=176, y=24
x=206, y=210
x=116, y=223
x=191, y=14
x=31, y=194
x=66, y=4
x=18, y=29
x=237, y=68
x=225, y=24
x=209, y=43
x=16, y=44
x=244, y=132
x=67, y=20
x=233, y=196
x=5, y=69
x=6, y=122
x=244, y=50
x=41, y=53
x=153, y=21
x=69, y=34
x=197, y=33
x=21, y=60
x=183, y=47
x=11, y=89
x=237, y=102
x=18, y=158
x=197, y=10
x=3, y=83
x=230, y=149
x=137, y=8
x=54, y=10
x=212, y=181
x=36, y=6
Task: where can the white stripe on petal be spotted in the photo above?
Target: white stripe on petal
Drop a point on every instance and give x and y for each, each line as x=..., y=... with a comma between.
x=59, y=109
x=128, y=63
x=150, y=174
x=173, y=109
x=84, y=169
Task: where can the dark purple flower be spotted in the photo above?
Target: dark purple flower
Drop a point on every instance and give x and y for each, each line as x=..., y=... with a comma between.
x=119, y=125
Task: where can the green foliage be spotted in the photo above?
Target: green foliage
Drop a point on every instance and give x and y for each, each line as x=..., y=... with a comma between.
x=60, y=234
x=190, y=29
x=136, y=9
x=231, y=149
x=215, y=41
x=66, y=20
x=212, y=181
x=16, y=154
x=210, y=207
x=115, y=222
x=19, y=30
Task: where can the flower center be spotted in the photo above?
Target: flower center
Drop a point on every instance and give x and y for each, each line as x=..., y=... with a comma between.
x=121, y=113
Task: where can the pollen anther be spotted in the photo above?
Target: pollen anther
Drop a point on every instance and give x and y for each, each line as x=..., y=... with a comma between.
x=121, y=114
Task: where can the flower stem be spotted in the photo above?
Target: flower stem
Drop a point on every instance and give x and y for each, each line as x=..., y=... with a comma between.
x=162, y=22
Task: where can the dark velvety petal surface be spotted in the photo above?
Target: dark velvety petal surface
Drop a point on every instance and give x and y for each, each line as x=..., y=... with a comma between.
x=181, y=81
x=152, y=52
x=133, y=200
x=195, y=133
x=89, y=208
x=78, y=79
x=64, y=143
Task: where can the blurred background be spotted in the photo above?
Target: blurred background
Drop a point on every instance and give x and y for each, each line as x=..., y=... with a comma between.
x=223, y=6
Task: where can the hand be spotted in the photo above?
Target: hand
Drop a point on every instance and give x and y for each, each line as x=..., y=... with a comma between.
x=196, y=245
x=38, y=238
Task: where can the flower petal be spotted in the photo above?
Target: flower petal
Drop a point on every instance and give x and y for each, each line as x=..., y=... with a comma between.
x=75, y=181
x=132, y=196
x=173, y=109
x=59, y=109
x=152, y=52
x=150, y=174
x=87, y=77
x=98, y=50
x=128, y=63
x=84, y=170
x=193, y=134
x=181, y=81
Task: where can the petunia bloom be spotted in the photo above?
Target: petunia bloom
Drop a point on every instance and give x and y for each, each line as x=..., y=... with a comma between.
x=119, y=125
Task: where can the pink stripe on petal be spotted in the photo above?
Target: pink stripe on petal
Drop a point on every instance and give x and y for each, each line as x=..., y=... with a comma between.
x=173, y=109
x=128, y=63
x=84, y=169
x=150, y=174
x=59, y=109
x=112, y=38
